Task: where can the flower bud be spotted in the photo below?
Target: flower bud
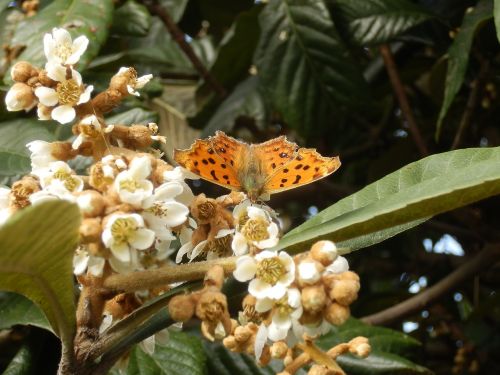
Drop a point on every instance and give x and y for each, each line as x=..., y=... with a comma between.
x=90, y=230
x=230, y=343
x=22, y=71
x=279, y=350
x=19, y=97
x=181, y=308
x=313, y=298
x=309, y=272
x=44, y=79
x=345, y=292
x=360, y=346
x=337, y=314
x=91, y=203
x=242, y=334
x=324, y=252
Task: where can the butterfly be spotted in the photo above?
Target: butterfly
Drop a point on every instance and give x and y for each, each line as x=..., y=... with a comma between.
x=256, y=169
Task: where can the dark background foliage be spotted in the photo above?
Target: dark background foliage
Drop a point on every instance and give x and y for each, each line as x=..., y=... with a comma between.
x=317, y=71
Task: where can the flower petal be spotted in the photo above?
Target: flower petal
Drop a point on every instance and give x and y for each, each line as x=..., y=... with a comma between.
x=142, y=239
x=85, y=96
x=263, y=305
x=47, y=96
x=260, y=289
x=55, y=71
x=245, y=268
x=121, y=252
x=63, y=114
x=79, y=46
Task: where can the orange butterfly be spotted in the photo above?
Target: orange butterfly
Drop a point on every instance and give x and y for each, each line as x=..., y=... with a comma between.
x=258, y=170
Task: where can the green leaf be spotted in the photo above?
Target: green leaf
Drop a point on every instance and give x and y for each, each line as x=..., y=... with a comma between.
x=36, y=253
x=17, y=309
x=368, y=22
x=131, y=19
x=22, y=363
x=81, y=17
x=420, y=190
x=133, y=116
x=14, y=135
x=182, y=353
x=458, y=54
x=233, y=62
x=223, y=362
x=496, y=15
x=247, y=100
x=304, y=65
x=386, y=344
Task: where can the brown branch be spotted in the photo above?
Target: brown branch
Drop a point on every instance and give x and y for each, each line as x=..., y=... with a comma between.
x=165, y=275
x=470, y=105
x=486, y=258
x=399, y=90
x=180, y=38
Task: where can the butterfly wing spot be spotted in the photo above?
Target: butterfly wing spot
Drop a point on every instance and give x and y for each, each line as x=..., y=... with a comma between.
x=203, y=160
x=308, y=166
x=273, y=165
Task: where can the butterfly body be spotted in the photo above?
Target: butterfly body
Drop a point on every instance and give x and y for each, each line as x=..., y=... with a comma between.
x=256, y=169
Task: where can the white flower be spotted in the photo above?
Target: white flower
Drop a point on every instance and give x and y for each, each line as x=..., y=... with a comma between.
x=132, y=185
x=135, y=82
x=255, y=228
x=20, y=96
x=124, y=232
x=67, y=94
x=60, y=174
x=83, y=261
x=312, y=330
x=179, y=174
x=271, y=273
x=162, y=212
x=54, y=191
x=284, y=312
x=61, y=49
x=338, y=266
x=89, y=126
x=41, y=155
x=4, y=204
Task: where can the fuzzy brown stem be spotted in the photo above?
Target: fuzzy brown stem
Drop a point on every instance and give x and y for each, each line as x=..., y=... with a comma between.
x=165, y=275
x=399, y=90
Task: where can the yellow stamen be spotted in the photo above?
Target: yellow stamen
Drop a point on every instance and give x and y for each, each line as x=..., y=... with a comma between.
x=255, y=229
x=270, y=270
x=69, y=92
x=122, y=229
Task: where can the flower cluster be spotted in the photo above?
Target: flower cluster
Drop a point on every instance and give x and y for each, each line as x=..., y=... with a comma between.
x=137, y=211
x=58, y=90
x=290, y=298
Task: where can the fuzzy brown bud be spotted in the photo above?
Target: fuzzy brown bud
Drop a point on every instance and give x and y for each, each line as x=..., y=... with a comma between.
x=20, y=97
x=313, y=298
x=345, y=291
x=181, y=308
x=242, y=334
x=91, y=203
x=279, y=350
x=22, y=71
x=324, y=252
x=44, y=79
x=21, y=191
x=337, y=314
x=90, y=230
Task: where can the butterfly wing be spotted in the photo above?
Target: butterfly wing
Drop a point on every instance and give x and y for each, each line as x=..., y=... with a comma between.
x=307, y=166
x=275, y=153
x=213, y=160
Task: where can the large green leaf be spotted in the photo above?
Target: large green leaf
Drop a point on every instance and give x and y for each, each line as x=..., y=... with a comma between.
x=387, y=346
x=81, y=17
x=36, y=252
x=233, y=61
x=369, y=22
x=422, y=189
x=247, y=100
x=496, y=15
x=182, y=354
x=131, y=19
x=17, y=309
x=22, y=363
x=304, y=65
x=14, y=135
x=458, y=54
